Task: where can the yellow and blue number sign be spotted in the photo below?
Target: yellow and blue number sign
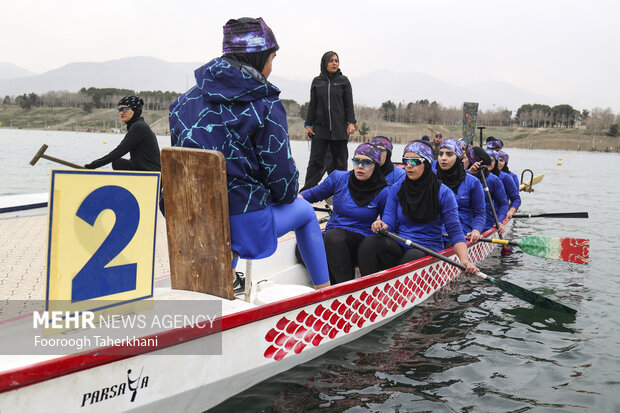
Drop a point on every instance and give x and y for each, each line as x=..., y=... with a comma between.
x=101, y=244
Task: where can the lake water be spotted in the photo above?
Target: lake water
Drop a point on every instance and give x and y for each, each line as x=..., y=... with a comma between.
x=471, y=347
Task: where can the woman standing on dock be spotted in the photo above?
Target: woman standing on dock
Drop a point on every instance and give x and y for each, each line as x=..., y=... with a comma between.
x=359, y=197
x=234, y=109
x=418, y=208
x=467, y=189
x=330, y=119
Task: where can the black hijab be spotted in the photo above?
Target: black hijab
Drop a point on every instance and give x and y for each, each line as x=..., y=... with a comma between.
x=387, y=166
x=363, y=192
x=453, y=177
x=256, y=60
x=419, y=199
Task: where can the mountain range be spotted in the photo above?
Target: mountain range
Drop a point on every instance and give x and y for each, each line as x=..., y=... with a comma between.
x=148, y=73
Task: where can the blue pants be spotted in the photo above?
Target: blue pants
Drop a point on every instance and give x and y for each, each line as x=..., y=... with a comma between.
x=300, y=216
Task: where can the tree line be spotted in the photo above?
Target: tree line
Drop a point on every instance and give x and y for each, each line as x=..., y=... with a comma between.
x=419, y=112
x=88, y=99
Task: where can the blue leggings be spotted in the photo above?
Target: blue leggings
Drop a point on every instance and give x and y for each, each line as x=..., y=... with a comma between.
x=300, y=216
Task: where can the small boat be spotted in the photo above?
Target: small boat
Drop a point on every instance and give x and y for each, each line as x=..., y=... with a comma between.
x=283, y=322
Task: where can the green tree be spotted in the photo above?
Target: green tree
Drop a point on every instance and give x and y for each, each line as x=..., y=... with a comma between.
x=7, y=100
x=364, y=129
x=23, y=102
x=613, y=130
x=389, y=110
x=88, y=107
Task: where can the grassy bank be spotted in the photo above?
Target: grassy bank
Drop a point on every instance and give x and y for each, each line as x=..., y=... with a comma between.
x=107, y=120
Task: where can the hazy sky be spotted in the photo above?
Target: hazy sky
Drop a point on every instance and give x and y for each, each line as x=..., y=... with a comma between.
x=565, y=50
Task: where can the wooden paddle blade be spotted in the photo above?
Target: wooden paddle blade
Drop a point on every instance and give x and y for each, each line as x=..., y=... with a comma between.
x=531, y=297
x=576, y=250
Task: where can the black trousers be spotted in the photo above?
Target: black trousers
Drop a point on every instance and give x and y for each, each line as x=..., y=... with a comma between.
x=316, y=163
x=378, y=253
x=123, y=164
x=341, y=248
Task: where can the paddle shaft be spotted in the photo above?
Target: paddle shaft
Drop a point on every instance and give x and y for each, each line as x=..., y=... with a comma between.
x=500, y=241
x=510, y=288
x=554, y=215
x=486, y=190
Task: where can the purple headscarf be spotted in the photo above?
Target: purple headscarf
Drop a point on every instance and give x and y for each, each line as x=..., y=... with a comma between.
x=369, y=150
x=503, y=155
x=453, y=145
x=382, y=141
x=493, y=154
x=247, y=35
x=496, y=144
x=421, y=148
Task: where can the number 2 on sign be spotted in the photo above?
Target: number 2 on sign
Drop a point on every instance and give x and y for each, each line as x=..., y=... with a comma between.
x=94, y=279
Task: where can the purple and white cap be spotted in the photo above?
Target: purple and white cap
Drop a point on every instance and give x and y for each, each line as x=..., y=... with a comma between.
x=493, y=154
x=453, y=145
x=421, y=148
x=382, y=141
x=503, y=155
x=496, y=144
x=247, y=35
x=369, y=150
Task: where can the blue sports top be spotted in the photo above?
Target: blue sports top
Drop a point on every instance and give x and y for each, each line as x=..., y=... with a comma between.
x=346, y=213
x=429, y=234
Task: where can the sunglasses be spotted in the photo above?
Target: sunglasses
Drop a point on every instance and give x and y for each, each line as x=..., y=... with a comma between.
x=413, y=161
x=125, y=109
x=366, y=163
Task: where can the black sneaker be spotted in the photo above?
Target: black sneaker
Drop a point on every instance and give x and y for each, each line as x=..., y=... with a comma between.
x=239, y=283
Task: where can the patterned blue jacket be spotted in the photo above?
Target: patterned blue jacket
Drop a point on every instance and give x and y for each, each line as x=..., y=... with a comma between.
x=234, y=110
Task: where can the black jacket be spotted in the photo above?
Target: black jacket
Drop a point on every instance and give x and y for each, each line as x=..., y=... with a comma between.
x=331, y=105
x=140, y=142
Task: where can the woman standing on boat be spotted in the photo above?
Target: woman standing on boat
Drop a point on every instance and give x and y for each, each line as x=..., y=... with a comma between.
x=512, y=190
x=235, y=110
x=359, y=197
x=480, y=160
x=418, y=208
x=330, y=119
x=467, y=189
x=140, y=141
x=391, y=174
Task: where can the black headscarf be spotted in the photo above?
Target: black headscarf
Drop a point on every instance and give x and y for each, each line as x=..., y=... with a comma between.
x=256, y=60
x=480, y=154
x=387, y=166
x=495, y=169
x=363, y=192
x=135, y=104
x=326, y=57
x=419, y=199
x=453, y=177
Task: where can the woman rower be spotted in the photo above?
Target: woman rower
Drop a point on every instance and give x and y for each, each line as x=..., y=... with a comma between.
x=512, y=190
x=391, y=174
x=418, y=208
x=479, y=159
x=359, y=197
x=235, y=110
x=467, y=189
x=502, y=165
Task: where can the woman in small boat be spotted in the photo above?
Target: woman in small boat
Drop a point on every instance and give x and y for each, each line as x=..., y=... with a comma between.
x=140, y=141
x=502, y=165
x=235, y=110
x=391, y=174
x=512, y=190
x=480, y=160
x=419, y=207
x=467, y=189
x=359, y=197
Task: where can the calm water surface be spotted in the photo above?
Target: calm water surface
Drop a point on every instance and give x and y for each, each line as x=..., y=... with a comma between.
x=470, y=347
